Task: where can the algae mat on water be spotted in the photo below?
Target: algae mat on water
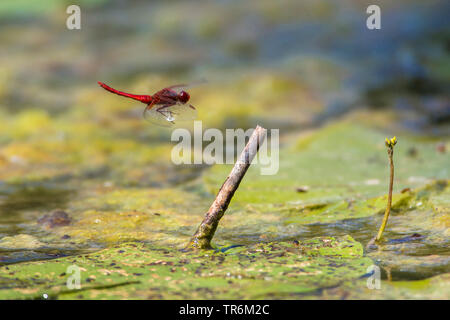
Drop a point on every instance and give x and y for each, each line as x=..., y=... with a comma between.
x=141, y=271
x=338, y=162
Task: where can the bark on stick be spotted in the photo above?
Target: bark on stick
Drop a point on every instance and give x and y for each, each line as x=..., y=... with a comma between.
x=205, y=232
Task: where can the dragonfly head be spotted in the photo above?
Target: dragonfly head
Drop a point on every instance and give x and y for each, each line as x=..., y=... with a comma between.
x=183, y=96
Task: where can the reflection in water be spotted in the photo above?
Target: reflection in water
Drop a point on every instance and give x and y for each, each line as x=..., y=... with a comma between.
x=14, y=199
x=19, y=208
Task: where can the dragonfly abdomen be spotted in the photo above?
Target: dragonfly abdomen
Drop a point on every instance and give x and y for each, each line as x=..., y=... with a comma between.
x=142, y=98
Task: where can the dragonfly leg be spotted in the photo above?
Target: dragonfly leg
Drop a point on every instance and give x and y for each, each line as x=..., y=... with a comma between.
x=160, y=110
x=149, y=106
x=167, y=106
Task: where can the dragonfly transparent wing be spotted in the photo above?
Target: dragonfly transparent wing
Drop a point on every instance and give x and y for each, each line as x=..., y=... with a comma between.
x=179, y=87
x=167, y=116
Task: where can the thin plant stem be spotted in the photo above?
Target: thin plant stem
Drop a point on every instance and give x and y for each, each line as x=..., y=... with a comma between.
x=391, y=184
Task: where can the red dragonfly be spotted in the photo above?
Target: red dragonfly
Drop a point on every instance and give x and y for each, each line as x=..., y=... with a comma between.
x=163, y=107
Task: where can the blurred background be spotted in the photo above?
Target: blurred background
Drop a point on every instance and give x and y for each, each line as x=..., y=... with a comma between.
x=293, y=65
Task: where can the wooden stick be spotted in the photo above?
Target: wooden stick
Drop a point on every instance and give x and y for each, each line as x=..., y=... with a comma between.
x=205, y=232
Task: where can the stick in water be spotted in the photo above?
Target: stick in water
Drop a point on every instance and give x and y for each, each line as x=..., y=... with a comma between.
x=205, y=232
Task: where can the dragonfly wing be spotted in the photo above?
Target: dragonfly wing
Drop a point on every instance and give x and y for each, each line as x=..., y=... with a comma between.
x=158, y=118
x=179, y=87
x=182, y=112
x=168, y=115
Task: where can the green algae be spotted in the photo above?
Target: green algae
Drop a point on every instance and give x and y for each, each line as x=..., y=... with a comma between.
x=351, y=158
x=433, y=288
x=114, y=211
x=20, y=241
x=142, y=271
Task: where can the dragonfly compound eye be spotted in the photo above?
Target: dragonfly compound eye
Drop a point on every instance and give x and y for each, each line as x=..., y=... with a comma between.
x=184, y=96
